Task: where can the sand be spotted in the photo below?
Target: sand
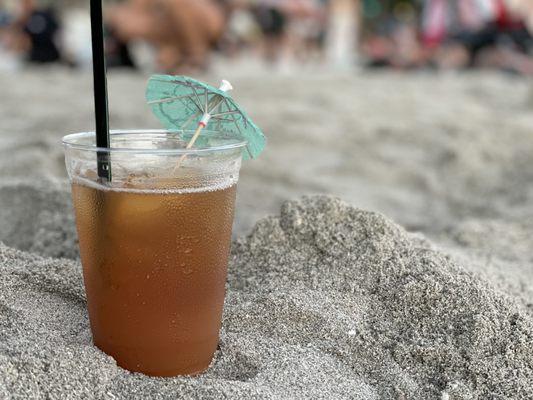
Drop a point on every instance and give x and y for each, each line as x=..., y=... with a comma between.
x=426, y=150
x=326, y=299
x=37, y=216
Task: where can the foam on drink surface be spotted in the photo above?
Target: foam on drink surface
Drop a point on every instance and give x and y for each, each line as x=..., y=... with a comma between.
x=145, y=183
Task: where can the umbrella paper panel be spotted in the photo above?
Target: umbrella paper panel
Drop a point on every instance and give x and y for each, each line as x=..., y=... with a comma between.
x=180, y=103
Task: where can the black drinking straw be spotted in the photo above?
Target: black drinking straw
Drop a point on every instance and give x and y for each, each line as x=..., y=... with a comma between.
x=101, y=110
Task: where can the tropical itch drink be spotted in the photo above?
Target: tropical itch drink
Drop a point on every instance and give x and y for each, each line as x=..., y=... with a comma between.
x=154, y=212
x=154, y=245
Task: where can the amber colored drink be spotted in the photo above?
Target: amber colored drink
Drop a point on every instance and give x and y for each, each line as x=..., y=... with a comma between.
x=154, y=266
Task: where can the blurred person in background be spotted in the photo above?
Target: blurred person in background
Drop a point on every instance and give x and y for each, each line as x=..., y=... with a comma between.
x=117, y=50
x=308, y=23
x=523, y=8
x=397, y=48
x=476, y=33
x=7, y=60
x=271, y=16
x=394, y=39
x=33, y=32
x=291, y=29
x=5, y=16
x=183, y=32
x=242, y=30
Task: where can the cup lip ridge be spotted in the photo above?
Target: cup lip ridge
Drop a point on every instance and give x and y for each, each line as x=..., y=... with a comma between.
x=68, y=142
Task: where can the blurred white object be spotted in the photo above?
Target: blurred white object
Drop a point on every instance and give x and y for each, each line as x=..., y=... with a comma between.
x=143, y=54
x=342, y=36
x=242, y=25
x=9, y=62
x=76, y=37
x=225, y=86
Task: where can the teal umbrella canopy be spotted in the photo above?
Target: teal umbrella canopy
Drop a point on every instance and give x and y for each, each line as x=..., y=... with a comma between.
x=182, y=103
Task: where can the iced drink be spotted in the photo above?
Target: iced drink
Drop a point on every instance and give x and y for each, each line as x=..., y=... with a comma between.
x=155, y=277
x=154, y=254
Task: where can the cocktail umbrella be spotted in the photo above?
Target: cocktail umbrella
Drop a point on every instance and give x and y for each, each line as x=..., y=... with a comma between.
x=183, y=103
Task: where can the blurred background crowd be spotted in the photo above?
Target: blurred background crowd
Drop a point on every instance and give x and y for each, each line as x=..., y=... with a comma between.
x=185, y=35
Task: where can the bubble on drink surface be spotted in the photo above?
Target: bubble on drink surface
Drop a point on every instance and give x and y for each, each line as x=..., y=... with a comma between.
x=192, y=180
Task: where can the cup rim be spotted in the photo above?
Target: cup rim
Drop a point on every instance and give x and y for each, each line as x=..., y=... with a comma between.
x=69, y=142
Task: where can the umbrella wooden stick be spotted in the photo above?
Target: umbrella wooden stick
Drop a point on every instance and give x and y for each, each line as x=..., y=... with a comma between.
x=224, y=87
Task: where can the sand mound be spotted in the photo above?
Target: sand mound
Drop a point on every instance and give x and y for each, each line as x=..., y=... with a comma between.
x=37, y=216
x=499, y=250
x=325, y=301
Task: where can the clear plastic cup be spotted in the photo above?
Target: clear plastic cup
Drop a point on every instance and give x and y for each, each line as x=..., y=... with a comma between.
x=154, y=244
